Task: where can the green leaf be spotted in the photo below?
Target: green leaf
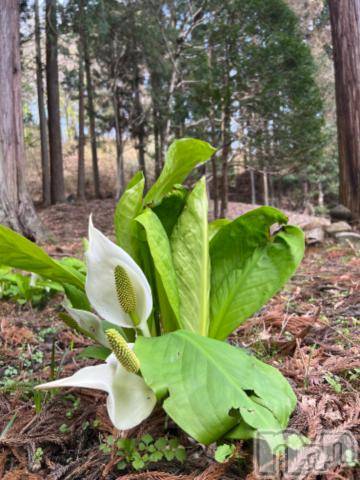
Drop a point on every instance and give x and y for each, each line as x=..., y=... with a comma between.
x=161, y=443
x=159, y=246
x=170, y=207
x=78, y=298
x=138, y=464
x=180, y=454
x=147, y=439
x=97, y=352
x=190, y=250
x=169, y=455
x=156, y=456
x=224, y=452
x=209, y=386
x=248, y=266
x=182, y=156
x=127, y=208
x=18, y=252
x=217, y=225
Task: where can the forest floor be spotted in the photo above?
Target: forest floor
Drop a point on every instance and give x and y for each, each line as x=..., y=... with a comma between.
x=310, y=331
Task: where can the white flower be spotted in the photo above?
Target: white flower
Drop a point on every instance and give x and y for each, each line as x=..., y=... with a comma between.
x=129, y=401
x=103, y=258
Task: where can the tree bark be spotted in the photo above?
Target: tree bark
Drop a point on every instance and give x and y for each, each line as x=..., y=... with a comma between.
x=266, y=186
x=224, y=159
x=52, y=83
x=120, y=177
x=252, y=186
x=157, y=151
x=139, y=127
x=225, y=137
x=345, y=26
x=81, y=144
x=45, y=158
x=91, y=113
x=16, y=208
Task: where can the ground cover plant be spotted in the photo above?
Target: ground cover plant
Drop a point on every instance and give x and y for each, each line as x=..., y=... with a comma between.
x=161, y=302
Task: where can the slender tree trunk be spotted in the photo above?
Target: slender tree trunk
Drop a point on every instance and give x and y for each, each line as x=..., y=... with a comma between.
x=215, y=187
x=120, y=177
x=139, y=123
x=253, y=186
x=81, y=145
x=157, y=153
x=52, y=83
x=45, y=158
x=91, y=113
x=345, y=25
x=224, y=160
x=16, y=208
x=266, y=186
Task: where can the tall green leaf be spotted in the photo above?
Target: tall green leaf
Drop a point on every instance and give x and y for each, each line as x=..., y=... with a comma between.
x=127, y=208
x=170, y=207
x=183, y=155
x=190, y=250
x=209, y=387
x=166, y=278
x=248, y=266
x=19, y=252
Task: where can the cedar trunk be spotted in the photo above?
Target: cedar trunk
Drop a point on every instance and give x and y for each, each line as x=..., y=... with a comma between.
x=52, y=83
x=91, y=113
x=81, y=144
x=16, y=208
x=120, y=173
x=345, y=25
x=45, y=158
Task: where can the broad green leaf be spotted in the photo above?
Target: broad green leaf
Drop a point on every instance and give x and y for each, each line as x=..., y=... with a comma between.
x=190, y=251
x=74, y=263
x=160, y=251
x=18, y=252
x=217, y=225
x=170, y=207
x=182, y=157
x=248, y=266
x=127, y=208
x=98, y=352
x=209, y=386
x=77, y=298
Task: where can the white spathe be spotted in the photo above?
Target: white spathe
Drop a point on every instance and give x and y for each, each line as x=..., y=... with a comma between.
x=129, y=401
x=102, y=257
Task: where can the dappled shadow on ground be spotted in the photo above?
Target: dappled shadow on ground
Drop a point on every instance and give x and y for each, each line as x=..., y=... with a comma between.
x=310, y=331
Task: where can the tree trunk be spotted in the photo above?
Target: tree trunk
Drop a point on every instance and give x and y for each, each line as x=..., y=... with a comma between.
x=224, y=159
x=266, y=186
x=16, y=208
x=157, y=151
x=252, y=186
x=91, y=113
x=120, y=177
x=345, y=25
x=45, y=158
x=81, y=141
x=52, y=83
x=139, y=123
x=81, y=144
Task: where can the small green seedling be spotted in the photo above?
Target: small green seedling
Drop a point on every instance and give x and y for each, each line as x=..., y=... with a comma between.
x=139, y=453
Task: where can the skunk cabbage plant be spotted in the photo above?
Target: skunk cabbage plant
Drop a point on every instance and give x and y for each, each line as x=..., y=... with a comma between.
x=161, y=302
